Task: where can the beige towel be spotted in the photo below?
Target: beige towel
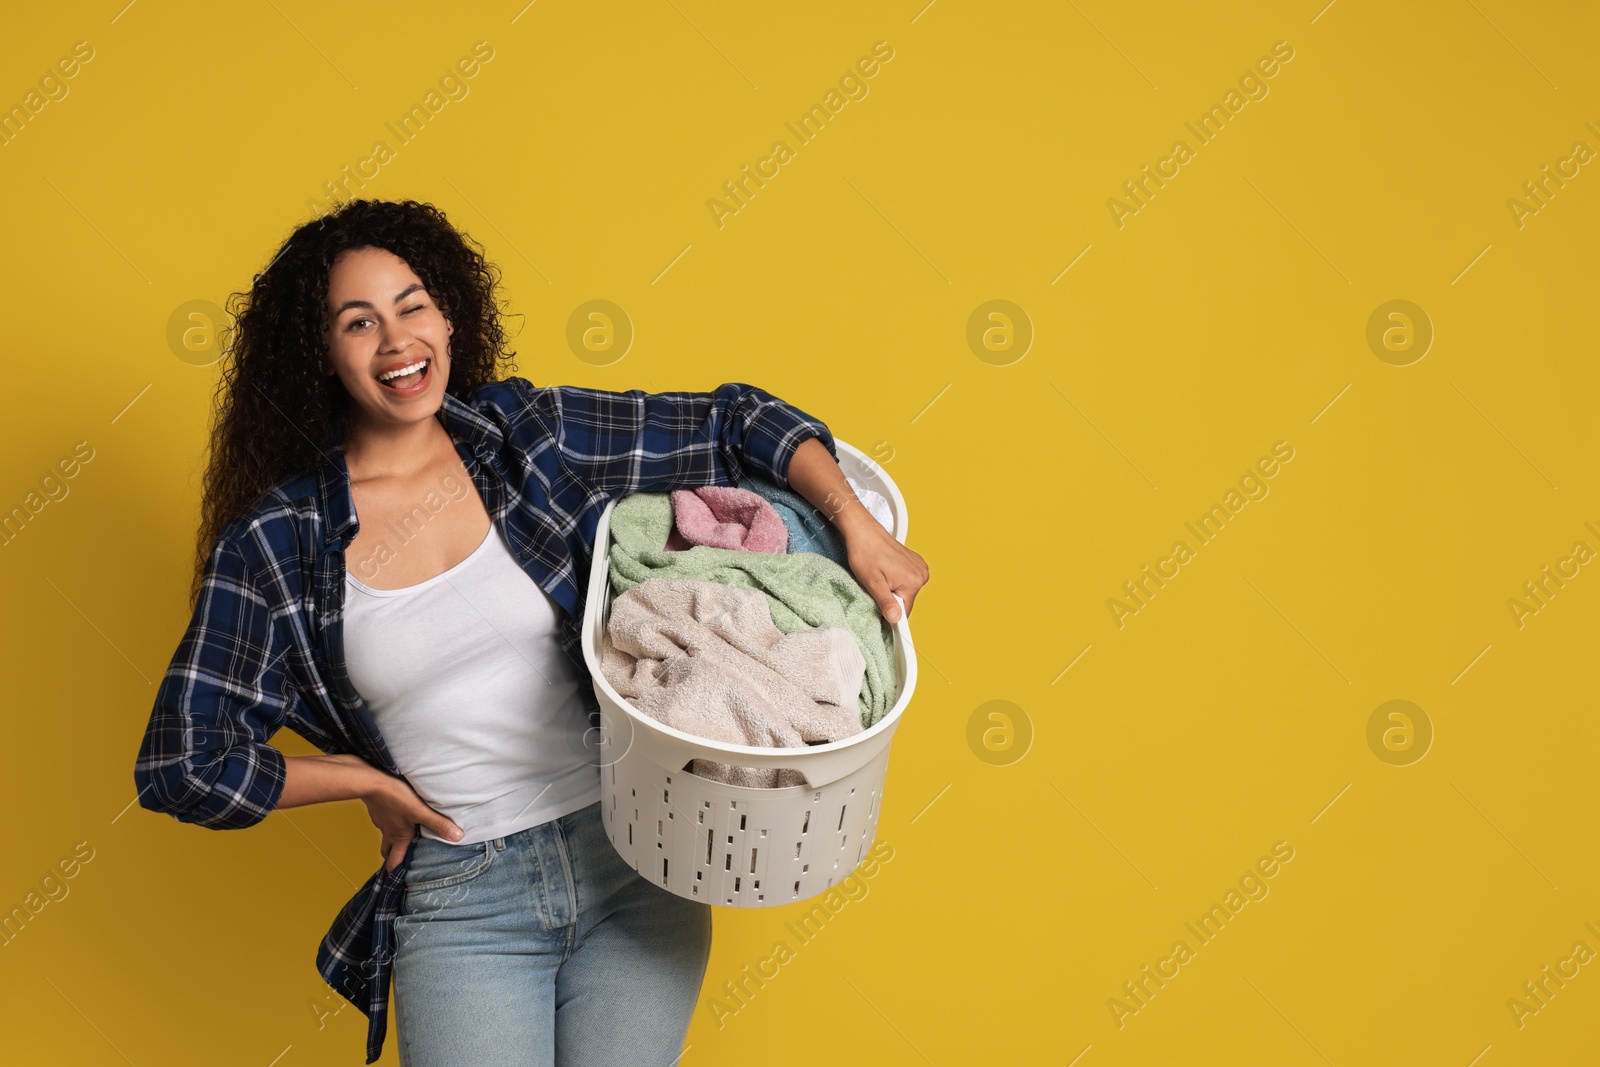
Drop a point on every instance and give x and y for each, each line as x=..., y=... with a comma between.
x=706, y=658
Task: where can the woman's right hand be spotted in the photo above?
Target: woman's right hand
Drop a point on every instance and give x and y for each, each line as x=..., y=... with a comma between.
x=396, y=811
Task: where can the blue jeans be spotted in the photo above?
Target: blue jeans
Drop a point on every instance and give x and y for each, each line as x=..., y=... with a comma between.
x=543, y=948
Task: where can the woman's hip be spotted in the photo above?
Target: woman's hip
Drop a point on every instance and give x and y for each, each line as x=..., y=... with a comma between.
x=549, y=885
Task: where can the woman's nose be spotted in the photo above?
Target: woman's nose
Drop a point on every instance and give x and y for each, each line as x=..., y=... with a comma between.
x=395, y=337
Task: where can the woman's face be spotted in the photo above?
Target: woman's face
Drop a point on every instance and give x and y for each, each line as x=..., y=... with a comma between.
x=381, y=319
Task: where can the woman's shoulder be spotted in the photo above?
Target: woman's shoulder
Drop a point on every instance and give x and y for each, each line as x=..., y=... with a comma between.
x=507, y=394
x=282, y=522
x=519, y=392
x=517, y=403
x=518, y=410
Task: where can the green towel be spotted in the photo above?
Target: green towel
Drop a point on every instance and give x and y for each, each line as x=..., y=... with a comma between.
x=804, y=589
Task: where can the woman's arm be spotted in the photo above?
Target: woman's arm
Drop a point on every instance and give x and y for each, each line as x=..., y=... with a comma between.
x=317, y=779
x=394, y=807
x=204, y=758
x=881, y=564
x=815, y=475
x=634, y=442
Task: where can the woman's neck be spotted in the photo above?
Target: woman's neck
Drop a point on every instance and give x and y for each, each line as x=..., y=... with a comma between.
x=402, y=451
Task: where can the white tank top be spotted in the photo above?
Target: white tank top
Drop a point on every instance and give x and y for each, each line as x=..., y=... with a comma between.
x=465, y=676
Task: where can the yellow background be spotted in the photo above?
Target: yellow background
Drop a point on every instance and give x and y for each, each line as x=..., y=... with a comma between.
x=1228, y=314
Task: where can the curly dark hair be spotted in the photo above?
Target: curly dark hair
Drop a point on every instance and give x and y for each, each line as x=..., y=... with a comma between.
x=274, y=408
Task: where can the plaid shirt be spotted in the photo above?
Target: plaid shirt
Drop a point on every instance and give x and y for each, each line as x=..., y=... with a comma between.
x=264, y=648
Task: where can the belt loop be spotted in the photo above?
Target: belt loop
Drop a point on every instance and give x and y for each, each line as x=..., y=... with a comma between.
x=499, y=844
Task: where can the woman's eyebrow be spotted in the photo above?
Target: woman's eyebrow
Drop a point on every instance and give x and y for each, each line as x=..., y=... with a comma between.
x=348, y=304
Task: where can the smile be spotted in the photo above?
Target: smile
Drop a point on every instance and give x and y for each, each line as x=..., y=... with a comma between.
x=408, y=380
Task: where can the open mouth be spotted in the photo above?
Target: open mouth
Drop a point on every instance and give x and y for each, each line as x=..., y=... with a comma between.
x=415, y=379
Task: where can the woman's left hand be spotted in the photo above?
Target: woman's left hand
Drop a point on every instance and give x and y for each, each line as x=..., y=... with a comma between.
x=883, y=565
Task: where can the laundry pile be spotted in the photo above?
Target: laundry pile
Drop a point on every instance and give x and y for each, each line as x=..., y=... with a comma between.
x=735, y=618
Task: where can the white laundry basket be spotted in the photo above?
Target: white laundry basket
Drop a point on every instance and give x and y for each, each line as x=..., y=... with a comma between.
x=726, y=844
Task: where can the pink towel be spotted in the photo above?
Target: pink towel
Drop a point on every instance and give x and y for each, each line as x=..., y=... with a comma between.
x=722, y=516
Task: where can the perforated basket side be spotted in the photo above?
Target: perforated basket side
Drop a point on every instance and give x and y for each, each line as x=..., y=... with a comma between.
x=736, y=847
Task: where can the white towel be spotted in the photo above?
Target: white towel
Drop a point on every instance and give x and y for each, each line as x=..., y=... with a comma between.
x=875, y=504
x=705, y=658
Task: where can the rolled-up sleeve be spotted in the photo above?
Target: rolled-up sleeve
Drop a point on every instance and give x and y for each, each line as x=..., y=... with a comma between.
x=634, y=441
x=205, y=757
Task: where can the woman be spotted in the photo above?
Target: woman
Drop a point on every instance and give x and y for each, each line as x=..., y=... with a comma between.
x=352, y=586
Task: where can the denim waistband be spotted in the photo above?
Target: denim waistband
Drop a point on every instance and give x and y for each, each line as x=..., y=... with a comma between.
x=530, y=835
